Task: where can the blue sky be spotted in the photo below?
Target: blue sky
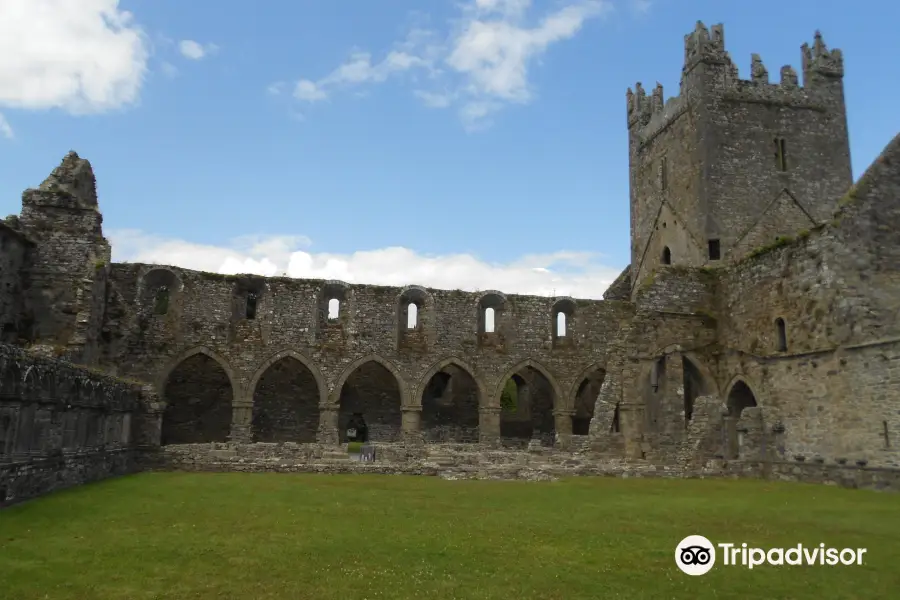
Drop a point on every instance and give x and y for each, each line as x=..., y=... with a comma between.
x=470, y=144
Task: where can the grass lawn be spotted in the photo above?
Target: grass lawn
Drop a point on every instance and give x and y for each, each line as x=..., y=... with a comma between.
x=261, y=536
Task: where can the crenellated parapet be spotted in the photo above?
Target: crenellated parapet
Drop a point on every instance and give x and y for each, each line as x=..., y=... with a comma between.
x=649, y=115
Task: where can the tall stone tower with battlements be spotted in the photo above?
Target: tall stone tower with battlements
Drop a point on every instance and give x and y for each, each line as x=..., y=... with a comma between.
x=730, y=165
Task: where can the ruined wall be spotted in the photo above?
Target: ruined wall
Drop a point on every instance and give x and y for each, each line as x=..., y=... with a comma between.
x=65, y=294
x=832, y=385
x=208, y=313
x=61, y=425
x=14, y=255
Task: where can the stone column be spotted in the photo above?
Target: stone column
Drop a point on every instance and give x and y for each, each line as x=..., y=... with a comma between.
x=241, y=423
x=411, y=431
x=631, y=419
x=563, y=425
x=489, y=425
x=328, y=434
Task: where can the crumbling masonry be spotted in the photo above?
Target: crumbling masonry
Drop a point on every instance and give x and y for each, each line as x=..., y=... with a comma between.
x=755, y=332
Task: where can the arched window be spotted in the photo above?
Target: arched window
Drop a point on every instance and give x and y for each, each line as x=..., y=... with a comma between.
x=412, y=319
x=560, y=324
x=334, y=309
x=781, y=332
x=666, y=256
x=489, y=320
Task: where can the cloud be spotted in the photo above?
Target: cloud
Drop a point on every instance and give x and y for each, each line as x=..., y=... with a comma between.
x=576, y=274
x=357, y=70
x=84, y=56
x=5, y=130
x=195, y=50
x=479, y=67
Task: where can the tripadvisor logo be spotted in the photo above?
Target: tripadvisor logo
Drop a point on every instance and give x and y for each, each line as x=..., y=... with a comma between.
x=696, y=555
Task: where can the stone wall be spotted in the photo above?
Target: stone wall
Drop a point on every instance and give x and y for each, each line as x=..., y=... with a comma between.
x=166, y=315
x=14, y=254
x=466, y=462
x=62, y=425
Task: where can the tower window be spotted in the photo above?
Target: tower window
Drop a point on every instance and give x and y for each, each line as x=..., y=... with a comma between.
x=161, y=305
x=715, y=251
x=780, y=154
x=781, y=331
x=251, y=306
x=666, y=256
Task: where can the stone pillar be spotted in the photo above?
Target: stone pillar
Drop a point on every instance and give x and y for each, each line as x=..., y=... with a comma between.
x=489, y=425
x=328, y=433
x=241, y=423
x=411, y=429
x=631, y=419
x=563, y=425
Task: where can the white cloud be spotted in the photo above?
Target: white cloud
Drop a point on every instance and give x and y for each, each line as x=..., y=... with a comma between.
x=576, y=274
x=169, y=70
x=5, y=130
x=84, y=56
x=641, y=6
x=195, y=50
x=484, y=60
x=309, y=91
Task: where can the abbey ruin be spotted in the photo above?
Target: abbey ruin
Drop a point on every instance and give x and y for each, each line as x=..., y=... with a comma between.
x=756, y=331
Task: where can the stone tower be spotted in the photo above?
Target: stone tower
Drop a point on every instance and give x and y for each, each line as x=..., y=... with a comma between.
x=730, y=165
x=66, y=282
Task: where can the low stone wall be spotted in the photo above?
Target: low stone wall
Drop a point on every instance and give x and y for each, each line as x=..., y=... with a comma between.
x=38, y=476
x=471, y=461
x=63, y=424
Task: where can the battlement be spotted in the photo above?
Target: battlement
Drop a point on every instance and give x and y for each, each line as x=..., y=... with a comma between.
x=648, y=115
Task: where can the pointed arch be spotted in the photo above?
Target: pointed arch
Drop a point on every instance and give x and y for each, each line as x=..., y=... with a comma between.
x=558, y=398
x=416, y=400
x=335, y=392
x=163, y=377
x=576, y=383
x=740, y=391
x=317, y=375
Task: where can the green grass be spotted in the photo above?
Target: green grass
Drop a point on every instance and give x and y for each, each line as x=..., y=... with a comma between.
x=319, y=537
x=354, y=447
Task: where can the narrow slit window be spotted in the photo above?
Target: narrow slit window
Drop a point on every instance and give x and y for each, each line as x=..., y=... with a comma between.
x=251, y=306
x=781, y=331
x=489, y=320
x=664, y=174
x=780, y=154
x=715, y=250
x=412, y=316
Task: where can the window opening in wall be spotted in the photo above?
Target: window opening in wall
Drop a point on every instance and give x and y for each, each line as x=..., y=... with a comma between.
x=887, y=440
x=715, y=251
x=781, y=331
x=560, y=324
x=412, y=316
x=251, y=305
x=780, y=154
x=489, y=320
x=334, y=309
x=666, y=256
x=161, y=306
x=656, y=373
x=664, y=175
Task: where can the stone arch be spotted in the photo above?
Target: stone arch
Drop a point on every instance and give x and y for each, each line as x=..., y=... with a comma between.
x=375, y=408
x=666, y=256
x=558, y=398
x=452, y=416
x=284, y=408
x=740, y=396
x=320, y=380
x=187, y=421
x=157, y=288
x=583, y=411
x=186, y=354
